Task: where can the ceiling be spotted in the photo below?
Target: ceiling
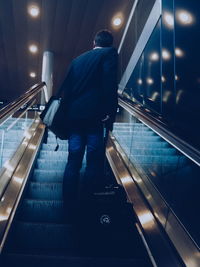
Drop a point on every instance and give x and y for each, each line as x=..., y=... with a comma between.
x=64, y=27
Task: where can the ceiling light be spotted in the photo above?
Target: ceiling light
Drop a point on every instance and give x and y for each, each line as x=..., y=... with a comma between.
x=32, y=74
x=117, y=20
x=33, y=48
x=33, y=11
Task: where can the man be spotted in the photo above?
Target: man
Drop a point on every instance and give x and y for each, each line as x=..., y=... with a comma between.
x=90, y=98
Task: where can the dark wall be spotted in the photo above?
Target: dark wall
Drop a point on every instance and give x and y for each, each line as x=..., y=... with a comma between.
x=166, y=78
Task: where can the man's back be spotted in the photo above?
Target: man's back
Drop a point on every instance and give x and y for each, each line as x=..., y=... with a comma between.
x=91, y=85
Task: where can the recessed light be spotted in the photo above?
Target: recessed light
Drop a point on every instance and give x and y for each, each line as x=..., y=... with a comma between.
x=117, y=20
x=34, y=11
x=33, y=48
x=32, y=74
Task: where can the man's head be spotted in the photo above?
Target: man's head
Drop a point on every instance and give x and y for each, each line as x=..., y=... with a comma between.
x=103, y=38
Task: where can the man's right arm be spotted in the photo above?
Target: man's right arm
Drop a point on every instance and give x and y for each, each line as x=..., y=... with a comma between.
x=110, y=86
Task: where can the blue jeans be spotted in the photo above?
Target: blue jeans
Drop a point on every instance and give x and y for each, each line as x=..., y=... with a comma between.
x=91, y=141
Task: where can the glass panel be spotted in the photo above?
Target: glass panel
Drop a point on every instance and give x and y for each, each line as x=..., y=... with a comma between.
x=187, y=60
x=152, y=71
x=134, y=89
x=144, y=85
x=122, y=130
x=175, y=177
x=136, y=26
x=12, y=132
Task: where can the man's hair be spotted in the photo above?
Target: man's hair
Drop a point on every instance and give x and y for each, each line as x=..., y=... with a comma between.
x=103, y=38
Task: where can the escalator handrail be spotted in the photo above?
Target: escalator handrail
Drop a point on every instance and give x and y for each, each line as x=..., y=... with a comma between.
x=160, y=128
x=15, y=105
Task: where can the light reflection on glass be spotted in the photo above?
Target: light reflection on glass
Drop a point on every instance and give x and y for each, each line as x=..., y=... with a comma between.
x=149, y=80
x=176, y=77
x=166, y=96
x=184, y=17
x=155, y=96
x=179, y=52
x=166, y=54
x=139, y=81
x=179, y=96
x=168, y=19
x=154, y=56
x=163, y=79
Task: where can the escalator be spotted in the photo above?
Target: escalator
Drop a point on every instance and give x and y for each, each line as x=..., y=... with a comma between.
x=33, y=229
x=39, y=235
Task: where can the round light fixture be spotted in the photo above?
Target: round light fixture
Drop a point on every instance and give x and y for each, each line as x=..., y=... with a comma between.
x=32, y=74
x=117, y=21
x=34, y=11
x=33, y=48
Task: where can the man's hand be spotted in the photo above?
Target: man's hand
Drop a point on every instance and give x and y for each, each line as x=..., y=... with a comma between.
x=106, y=118
x=108, y=123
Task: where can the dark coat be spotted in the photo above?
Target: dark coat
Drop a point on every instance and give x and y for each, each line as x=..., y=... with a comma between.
x=90, y=86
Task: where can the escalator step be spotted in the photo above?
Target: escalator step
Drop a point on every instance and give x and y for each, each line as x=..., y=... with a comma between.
x=29, y=260
x=29, y=235
x=47, y=176
x=163, y=152
x=160, y=160
x=48, y=211
x=53, y=146
x=51, y=164
x=53, y=154
x=47, y=191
